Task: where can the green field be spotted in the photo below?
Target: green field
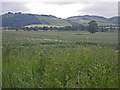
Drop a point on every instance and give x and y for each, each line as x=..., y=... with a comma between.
x=59, y=59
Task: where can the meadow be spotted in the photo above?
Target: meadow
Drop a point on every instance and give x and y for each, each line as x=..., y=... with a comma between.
x=59, y=59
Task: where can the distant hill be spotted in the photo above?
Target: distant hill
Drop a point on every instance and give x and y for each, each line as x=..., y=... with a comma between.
x=19, y=19
x=113, y=20
x=87, y=18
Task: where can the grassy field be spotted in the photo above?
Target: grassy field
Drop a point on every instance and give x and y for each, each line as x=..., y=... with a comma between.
x=66, y=59
x=57, y=37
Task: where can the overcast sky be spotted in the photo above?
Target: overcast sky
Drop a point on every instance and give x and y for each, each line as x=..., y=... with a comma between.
x=63, y=8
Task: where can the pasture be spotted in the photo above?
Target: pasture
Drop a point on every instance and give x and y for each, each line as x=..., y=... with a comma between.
x=59, y=59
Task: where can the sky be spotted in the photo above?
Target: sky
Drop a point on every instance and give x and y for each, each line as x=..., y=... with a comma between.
x=62, y=8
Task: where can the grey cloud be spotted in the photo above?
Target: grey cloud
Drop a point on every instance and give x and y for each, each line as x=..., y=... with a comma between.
x=59, y=3
x=103, y=8
x=66, y=3
x=14, y=7
x=106, y=9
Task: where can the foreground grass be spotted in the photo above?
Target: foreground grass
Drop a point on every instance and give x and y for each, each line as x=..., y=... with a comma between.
x=45, y=61
x=56, y=67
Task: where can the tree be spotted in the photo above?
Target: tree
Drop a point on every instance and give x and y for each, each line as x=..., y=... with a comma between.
x=51, y=28
x=16, y=29
x=92, y=27
x=102, y=29
x=55, y=28
x=27, y=28
x=45, y=28
x=36, y=28
x=111, y=28
x=31, y=28
x=10, y=13
x=40, y=28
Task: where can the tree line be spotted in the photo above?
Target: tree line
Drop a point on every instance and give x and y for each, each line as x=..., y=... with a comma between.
x=92, y=27
x=45, y=28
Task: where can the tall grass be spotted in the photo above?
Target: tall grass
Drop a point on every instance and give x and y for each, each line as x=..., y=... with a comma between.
x=33, y=63
x=58, y=67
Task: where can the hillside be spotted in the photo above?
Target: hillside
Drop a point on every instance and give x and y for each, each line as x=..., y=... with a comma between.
x=113, y=20
x=87, y=18
x=19, y=19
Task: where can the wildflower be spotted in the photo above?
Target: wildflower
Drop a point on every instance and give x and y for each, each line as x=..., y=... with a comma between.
x=110, y=74
x=79, y=73
x=8, y=43
x=69, y=81
x=106, y=60
x=41, y=81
